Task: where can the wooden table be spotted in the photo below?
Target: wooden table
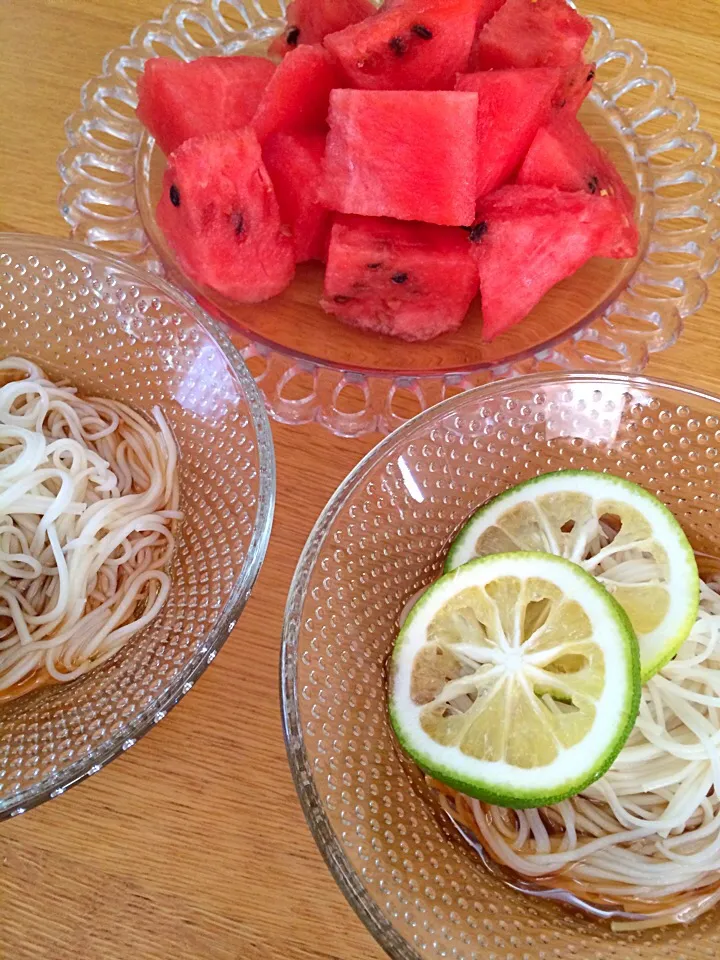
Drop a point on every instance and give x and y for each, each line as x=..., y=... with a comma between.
x=193, y=844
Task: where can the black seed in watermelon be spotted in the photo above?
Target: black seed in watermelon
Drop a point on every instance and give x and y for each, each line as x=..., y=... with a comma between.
x=178, y=100
x=512, y=106
x=534, y=237
x=563, y=155
x=408, y=280
x=309, y=21
x=174, y=195
x=294, y=162
x=296, y=99
x=411, y=155
x=416, y=45
x=531, y=33
x=227, y=233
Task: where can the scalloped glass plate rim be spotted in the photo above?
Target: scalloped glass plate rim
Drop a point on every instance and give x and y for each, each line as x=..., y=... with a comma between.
x=627, y=347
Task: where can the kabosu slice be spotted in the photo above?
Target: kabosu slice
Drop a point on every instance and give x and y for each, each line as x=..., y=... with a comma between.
x=408, y=280
x=219, y=214
x=178, y=100
x=411, y=155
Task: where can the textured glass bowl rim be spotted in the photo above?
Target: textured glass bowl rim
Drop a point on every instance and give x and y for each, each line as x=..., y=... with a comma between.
x=325, y=836
x=56, y=784
x=604, y=329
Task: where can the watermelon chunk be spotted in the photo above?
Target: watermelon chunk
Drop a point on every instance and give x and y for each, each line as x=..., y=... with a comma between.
x=219, y=215
x=178, y=100
x=408, y=280
x=512, y=106
x=294, y=162
x=531, y=33
x=411, y=155
x=419, y=45
x=527, y=239
x=310, y=21
x=297, y=96
x=576, y=86
x=562, y=155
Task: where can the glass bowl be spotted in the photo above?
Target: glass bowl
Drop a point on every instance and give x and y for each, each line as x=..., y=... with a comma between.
x=420, y=889
x=115, y=331
x=610, y=315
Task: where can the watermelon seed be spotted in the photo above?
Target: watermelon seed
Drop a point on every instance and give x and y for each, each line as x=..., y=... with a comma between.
x=340, y=299
x=593, y=184
x=399, y=278
x=374, y=266
x=293, y=36
x=238, y=222
x=420, y=31
x=398, y=45
x=478, y=232
x=174, y=196
x=591, y=76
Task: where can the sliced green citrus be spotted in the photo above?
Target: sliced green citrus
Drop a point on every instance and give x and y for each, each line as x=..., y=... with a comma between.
x=617, y=531
x=515, y=679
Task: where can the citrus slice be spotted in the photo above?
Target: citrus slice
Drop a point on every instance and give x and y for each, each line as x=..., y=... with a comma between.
x=515, y=679
x=617, y=531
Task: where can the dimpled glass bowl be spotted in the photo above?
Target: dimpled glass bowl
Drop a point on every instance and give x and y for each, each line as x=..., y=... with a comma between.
x=419, y=888
x=610, y=315
x=112, y=330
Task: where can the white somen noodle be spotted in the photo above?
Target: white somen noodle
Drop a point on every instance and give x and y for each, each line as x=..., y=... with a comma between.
x=88, y=500
x=646, y=837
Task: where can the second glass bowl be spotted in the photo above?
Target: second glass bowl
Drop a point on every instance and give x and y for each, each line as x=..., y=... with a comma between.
x=610, y=315
x=420, y=888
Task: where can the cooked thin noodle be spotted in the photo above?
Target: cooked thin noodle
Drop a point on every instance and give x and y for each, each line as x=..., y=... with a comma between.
x=646, y=837
x=88, y=499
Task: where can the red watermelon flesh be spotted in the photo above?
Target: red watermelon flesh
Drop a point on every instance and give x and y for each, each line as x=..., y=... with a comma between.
x=411, y=46
x=178, y=100
x=562, y=155
x=531, y=33
x=310, y=21
x=486, y=14
x=577, y=84
x=297, y=96
x=294, y=162
x=411, y=155
x=526, y=240
x=408, y=280
x=512, y=106
x=219, y=215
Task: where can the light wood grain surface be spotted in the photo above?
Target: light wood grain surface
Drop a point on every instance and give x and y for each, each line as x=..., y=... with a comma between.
x=193, y=844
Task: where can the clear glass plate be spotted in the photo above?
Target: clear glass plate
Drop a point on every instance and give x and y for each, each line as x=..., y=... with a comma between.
x=420, y=887
x=610, y=315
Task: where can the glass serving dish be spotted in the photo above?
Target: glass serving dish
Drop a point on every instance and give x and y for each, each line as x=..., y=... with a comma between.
x=610, y=315
x=114, y=331
x=420, y=887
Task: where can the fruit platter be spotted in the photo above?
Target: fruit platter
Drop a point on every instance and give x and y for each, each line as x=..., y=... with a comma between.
x=391, y=205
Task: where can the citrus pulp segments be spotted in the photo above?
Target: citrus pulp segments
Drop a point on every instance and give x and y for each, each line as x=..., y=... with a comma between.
x=611, y=643
x=660, y=637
